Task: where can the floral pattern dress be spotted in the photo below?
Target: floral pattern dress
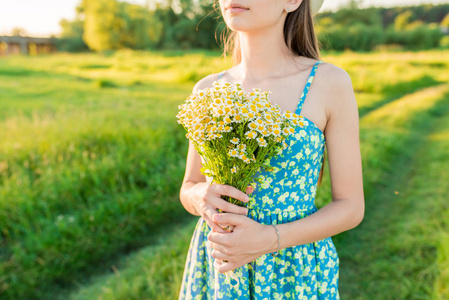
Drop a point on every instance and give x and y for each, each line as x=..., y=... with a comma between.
x=308, y=271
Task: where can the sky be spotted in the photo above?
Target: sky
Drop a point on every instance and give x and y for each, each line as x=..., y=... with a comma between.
x=41, y=17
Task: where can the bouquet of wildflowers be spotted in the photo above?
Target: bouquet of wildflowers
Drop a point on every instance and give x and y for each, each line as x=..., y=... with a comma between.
x=235, y=132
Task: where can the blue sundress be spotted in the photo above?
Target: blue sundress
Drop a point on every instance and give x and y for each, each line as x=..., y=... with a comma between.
x=308, y=271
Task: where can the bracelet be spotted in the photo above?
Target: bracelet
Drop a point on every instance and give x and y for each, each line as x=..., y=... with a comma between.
x=279, y=240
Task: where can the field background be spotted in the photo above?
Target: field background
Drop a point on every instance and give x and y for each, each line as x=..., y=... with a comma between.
x=92, y=159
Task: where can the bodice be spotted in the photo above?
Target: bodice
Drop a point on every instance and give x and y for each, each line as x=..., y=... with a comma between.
x=292, y=183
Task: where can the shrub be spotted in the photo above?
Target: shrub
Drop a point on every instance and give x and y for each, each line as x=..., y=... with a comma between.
x=356, y=37
x=419, y=36
x=444, y=42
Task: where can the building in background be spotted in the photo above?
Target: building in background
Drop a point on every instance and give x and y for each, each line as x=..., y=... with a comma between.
x=26, y=45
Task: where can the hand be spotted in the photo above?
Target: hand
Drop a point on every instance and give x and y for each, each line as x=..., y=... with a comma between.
x=248, y=241
x=206, y=198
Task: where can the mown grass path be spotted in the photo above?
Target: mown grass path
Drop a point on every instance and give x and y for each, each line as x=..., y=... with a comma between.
x=391, y=254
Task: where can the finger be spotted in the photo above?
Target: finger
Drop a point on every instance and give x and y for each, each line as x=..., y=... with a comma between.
x=225, y=267
x=219, y=241
x=210, y=213
x=219, y=255
x=219, y=248
x=229, y=219
x=249, y=190
x=213, y=226
x=224, y=205
x=224, y=189
x=217, y=264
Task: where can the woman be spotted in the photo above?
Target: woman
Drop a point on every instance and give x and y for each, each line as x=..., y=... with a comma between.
x=276, y=50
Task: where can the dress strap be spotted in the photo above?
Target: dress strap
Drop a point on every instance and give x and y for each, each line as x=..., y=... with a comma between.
x=306, y=88
x=221, y=75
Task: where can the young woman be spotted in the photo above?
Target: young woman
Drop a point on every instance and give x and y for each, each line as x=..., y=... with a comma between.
x=281, y=246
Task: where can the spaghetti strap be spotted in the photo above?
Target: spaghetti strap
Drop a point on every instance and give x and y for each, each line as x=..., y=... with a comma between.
x=306, y=88
x=221, y=75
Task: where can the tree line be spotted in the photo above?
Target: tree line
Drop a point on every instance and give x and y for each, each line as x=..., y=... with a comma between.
x=102, y=25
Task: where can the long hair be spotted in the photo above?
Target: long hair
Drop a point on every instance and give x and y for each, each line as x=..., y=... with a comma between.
x=299, y=36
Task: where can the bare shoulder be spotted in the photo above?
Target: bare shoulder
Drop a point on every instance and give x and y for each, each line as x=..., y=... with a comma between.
x=206, y=82
x=335, y=78
x=335, y=86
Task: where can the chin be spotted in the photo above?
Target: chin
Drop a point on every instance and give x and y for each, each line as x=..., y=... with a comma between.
x=240, y=25
x=246, y=25
x=238, y=22
x=249, y=23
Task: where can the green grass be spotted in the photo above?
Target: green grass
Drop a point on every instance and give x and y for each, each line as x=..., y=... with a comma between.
x=152, y=273
x=88, y=173
x=427, y=206
x=393, y=258
x=91, y=162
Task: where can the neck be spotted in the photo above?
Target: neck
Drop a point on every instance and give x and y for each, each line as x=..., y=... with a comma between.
x=264, y=54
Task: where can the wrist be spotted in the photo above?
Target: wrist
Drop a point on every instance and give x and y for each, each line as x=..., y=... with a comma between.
x=272, y=240
x=187, y=196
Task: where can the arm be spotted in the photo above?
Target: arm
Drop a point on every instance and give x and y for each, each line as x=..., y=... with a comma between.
x=344, y=212
x=192, y=177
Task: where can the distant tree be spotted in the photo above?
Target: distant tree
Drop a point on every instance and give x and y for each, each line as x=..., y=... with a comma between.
x=18, y=31
x=402, y=20
x=353, y=4
x=350, y=14
x=103, y=25
x=112, y=24
x=445, y=21
x=71, y=38
x=143, y=29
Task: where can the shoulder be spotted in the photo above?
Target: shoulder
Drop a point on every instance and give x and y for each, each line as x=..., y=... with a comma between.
x=335, y=87
x=206, y=82
x=329, y=79
x=335, y=78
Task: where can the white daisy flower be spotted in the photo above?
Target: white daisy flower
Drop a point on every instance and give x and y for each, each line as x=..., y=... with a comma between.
x=235, y=140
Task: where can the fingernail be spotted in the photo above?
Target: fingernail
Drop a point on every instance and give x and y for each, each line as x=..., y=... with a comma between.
x=216, y=217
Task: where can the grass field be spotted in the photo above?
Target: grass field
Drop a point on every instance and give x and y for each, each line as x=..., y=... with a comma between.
x=91, y=162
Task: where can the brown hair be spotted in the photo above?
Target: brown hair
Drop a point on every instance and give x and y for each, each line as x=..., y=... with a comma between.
x=299, y=36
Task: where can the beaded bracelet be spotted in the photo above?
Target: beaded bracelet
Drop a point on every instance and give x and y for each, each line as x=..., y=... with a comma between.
x=279, y=240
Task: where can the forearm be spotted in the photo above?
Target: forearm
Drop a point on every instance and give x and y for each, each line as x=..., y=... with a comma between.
x=185, y=194
x=330, y=220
